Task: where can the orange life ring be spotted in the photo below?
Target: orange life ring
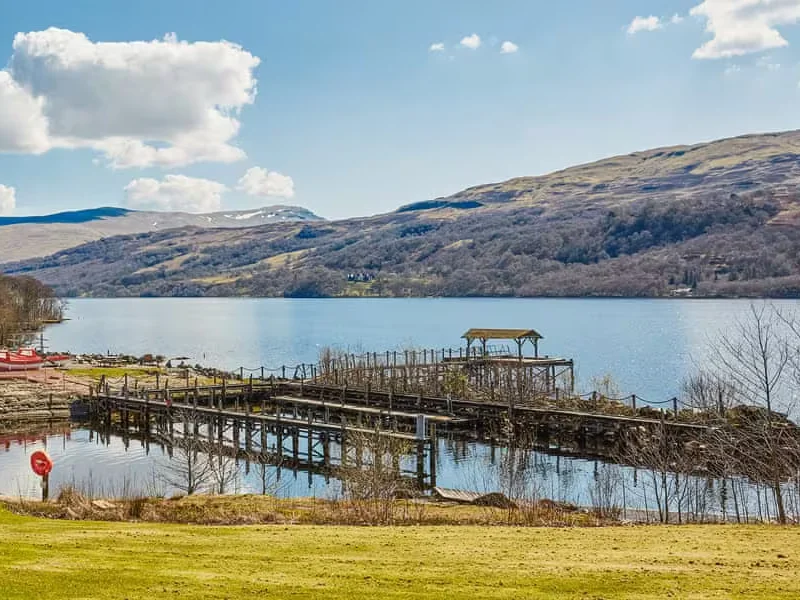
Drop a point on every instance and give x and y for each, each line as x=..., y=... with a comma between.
x=41, y=463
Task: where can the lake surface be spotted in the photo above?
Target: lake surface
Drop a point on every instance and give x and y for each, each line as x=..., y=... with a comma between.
x=648, y=347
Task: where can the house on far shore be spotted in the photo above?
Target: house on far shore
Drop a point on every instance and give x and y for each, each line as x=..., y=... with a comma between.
x=681, y=292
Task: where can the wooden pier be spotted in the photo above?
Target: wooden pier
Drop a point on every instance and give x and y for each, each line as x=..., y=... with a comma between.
x=265, y=423
x=319, y=428
x=479, y=393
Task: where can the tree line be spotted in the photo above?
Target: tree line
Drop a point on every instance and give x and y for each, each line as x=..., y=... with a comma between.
x=25, y=305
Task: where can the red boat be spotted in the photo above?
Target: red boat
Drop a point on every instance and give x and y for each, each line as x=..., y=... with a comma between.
x=24, y=359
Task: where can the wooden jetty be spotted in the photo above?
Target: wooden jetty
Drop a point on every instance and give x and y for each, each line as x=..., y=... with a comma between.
x=258, y=421
x=295, y=424
x=481, y=392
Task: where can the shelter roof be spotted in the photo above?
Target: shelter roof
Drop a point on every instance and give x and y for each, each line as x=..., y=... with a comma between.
x=502, y=334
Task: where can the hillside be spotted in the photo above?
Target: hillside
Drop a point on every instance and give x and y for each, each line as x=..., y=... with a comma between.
x=22, y=238
x=711, y=219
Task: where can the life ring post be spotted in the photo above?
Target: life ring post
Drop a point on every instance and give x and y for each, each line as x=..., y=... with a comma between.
x=42, y=464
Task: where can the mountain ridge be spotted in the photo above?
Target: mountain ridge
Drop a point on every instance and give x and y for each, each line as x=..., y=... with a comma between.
x=28, y=237
x=712, y=219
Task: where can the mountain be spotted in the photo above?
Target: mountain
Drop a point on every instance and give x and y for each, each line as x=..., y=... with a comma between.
x=712, y=219
x=30, y=237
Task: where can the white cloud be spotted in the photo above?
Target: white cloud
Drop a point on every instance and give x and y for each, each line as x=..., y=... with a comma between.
x=508, y=48
x=437, y=47
x=260, y=182
x=744, y=26
x=732, y=69
x=650, y=23
x=175, y=193
x=676, y=19
x=8, y=200
x=165, y=102
x=23, y=127
x=473, y=42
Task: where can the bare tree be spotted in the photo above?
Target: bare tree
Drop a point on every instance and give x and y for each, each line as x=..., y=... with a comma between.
x=224, y=470
x=189, y=468
x=709, y=393
x=755, y=357
x=374, y=482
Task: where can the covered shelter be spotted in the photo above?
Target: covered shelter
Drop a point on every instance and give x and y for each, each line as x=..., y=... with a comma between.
x=520, y=336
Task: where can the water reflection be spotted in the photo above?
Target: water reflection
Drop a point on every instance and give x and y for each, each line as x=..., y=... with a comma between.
x=106, y=464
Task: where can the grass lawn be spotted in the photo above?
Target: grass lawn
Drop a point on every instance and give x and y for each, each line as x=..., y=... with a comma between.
x=42, y=558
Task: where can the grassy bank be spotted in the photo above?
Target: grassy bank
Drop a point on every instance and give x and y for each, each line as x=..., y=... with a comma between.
x=44, y=558
x=249, y=509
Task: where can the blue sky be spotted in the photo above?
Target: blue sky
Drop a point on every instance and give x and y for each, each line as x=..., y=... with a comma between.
x=355, y=108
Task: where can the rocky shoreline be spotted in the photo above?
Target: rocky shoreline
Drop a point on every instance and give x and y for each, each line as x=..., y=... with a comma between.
x=30, y=402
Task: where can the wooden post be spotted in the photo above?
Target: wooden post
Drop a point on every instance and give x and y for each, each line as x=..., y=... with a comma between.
x=432, y=454
x=421, y=464
x=310, y=442
x=342, y=444
x=633, y=402
x=45, y=487
x=675, y=408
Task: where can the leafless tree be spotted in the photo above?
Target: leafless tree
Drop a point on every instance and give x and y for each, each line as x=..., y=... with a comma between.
x=374, y=482
x=189, y=468
x=755, y=358
x=224, y=470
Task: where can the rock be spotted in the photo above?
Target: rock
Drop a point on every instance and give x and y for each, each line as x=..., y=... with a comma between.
x=103, y=504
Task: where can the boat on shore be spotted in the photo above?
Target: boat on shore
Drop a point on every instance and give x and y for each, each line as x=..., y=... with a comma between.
x=24, y=359
x=27, y=359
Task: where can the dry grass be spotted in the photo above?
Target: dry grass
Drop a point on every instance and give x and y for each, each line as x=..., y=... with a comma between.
x=250, y=509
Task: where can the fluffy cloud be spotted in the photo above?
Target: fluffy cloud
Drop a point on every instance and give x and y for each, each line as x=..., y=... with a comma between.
x=165, y=102
x=437, y=47
x=650, y=23
x=744, y=26
x=260, y=182
x=175, y=193
x=473, y=42
x=676, y=19
x=508, y=48
x=8, y=200
x=23, y=127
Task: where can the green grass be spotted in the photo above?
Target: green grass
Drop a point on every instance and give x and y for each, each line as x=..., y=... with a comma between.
x=112, y=372
x=41, y=558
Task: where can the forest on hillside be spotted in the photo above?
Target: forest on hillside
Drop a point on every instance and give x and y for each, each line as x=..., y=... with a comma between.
x=712, y=244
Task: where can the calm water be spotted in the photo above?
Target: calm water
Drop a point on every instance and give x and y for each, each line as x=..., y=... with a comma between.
x=648, y=346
